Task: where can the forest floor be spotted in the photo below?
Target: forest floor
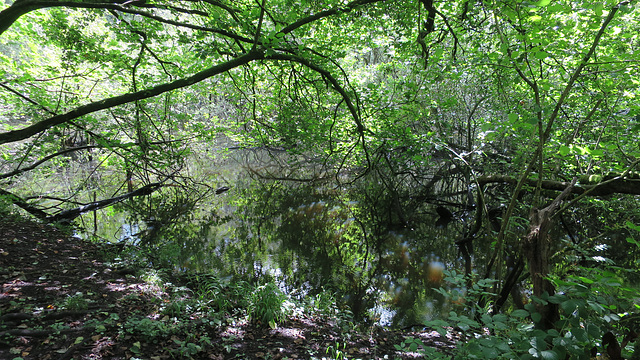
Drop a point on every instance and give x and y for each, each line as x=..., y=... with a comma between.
x=63, y=299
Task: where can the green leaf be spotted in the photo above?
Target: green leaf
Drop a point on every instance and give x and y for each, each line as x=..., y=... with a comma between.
x=536, y=317
x=553, y=333
x=586, y=280
x=557, y=298
x=490, y=353
x=597, y=153
x=580, y=334
x=569, y=306
x=541, y=55
x=549, y=355
x=598, y=9
x=564, y=150
x=543, y=3
x=632, y=226
x=520, y=313
x=513, y=117
x=594, y=331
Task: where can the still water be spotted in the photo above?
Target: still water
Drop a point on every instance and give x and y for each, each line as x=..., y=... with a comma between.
x=308, y=237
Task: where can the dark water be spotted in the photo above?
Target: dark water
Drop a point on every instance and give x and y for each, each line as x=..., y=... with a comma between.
x=309, y=238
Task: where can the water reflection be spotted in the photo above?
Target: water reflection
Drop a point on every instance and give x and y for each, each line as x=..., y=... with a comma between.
x=312, y=243
x=309, y=240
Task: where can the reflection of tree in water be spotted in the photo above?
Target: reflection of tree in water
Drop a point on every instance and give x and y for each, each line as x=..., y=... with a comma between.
x=318, y=241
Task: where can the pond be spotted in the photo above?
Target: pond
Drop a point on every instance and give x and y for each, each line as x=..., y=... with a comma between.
x=307, y=236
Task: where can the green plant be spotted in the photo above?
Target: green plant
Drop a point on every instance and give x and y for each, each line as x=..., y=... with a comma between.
x=337, y=352
x=266, y=304
x=186, y=349
x=176, y=308
x=147, y=329
x=152, y=277
x=324, y=303
x=589, y=305
x=190, y=347
x=76, y=302
x=6, y=207
x=412, y=344
x=206, y=285
x=136, y=348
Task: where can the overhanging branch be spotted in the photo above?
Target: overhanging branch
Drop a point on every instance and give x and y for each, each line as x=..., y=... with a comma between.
x=71, y=214
x=25, y=133
x=613, y=186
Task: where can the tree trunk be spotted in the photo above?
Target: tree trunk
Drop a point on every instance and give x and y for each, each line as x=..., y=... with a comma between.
x=536, y=250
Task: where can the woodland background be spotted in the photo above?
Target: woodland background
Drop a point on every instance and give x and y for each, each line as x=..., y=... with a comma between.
x=474, y=163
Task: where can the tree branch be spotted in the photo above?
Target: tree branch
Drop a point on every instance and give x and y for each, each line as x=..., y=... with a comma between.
x=618, y=185
x=71, y=214
x=17, y=135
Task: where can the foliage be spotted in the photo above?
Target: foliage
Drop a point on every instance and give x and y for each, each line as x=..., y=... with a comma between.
x=267, y=304
x=590, y=307
x=6, y=209
x=147, y=329
x=76, y=302
x=358, y=123
x=336, y=353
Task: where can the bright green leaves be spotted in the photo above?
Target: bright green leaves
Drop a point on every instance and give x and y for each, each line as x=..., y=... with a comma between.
x=598, y=9
x=633, y=226
x=541, y=55
x=565, y=150
x=535, y=18
x=273, y=39
x=79, y=35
